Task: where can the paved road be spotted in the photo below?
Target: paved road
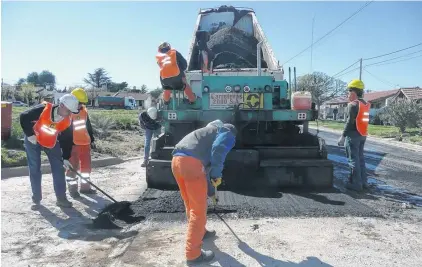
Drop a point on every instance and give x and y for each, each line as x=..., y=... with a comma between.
x=395, y=171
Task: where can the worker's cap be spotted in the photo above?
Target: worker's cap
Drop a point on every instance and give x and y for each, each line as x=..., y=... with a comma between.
x=356, y=84
x=230, y=127
x=70, y=102
x=216, y=123
x=164, y=47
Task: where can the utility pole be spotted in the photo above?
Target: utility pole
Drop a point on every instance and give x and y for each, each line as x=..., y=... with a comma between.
x=360, y=72
x=312, y=40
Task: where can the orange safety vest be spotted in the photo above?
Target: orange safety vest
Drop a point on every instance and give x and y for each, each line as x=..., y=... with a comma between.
x=46, y=130
x=168, y=64
x=80, y=132
x=362, y=119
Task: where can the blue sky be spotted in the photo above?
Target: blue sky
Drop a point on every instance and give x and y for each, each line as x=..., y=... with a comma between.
x=73, y=38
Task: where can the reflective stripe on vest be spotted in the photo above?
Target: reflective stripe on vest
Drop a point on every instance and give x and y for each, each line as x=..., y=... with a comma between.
x=168, y=64
x=46, y=130
x=362, y=119
x=80, y=132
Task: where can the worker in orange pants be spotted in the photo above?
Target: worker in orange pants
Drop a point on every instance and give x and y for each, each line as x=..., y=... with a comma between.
x=201, y=150
x=83, y=140
x=172, y=72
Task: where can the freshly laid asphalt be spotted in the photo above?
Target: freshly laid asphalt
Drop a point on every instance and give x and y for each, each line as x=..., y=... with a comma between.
x=395, y=173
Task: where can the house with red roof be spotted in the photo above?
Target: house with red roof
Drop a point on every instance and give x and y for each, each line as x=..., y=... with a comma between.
x=378, y=100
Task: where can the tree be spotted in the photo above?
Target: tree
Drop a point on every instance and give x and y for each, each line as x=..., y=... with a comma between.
x=144, y=89
x=28, y=91
x=156, y=92
x=45, y=77
x=98, y=78
x=321, y=86
x=402, y=113
x=32, y=78
x=116, y=87
x=20, y=81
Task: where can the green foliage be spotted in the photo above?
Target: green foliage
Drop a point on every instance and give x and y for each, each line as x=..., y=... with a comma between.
x=101, y=125
x=402, y=114
x=12, y=158
x=46, y=77
x=98, y=78
x=32, y=78
x=156, y=92
x=116, y=87
x=321, y=86
x=144, y=89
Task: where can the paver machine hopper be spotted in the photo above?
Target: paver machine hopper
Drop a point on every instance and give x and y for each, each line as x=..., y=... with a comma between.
x=237, y=79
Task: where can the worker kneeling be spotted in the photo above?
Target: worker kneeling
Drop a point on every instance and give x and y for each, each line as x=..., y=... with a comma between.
x=172, y=66
x=44, y=125
x=83, y=139
x=197, y=162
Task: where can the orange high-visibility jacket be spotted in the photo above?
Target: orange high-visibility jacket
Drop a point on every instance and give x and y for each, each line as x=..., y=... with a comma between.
x=362, y=119
x=168, y=64
x=46, y=130
x=80, y=131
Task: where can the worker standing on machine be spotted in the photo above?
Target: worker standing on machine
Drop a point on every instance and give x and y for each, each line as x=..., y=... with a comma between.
x=172, y=67
x=201, y=150
x=148, y=122
x=83, y=141
x=44, y=125
x=354, y=135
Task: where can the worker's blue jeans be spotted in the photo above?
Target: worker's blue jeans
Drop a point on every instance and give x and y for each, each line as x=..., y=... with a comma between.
x=354, y=144
x=148, y=137
x=33, y=155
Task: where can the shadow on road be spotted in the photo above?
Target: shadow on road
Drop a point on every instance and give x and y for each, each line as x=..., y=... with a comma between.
x=77, y=226
x=225, y=259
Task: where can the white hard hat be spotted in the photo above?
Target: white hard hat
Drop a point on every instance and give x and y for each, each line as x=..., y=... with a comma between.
x=70, y=102
x=152, y=113
x=216, y=123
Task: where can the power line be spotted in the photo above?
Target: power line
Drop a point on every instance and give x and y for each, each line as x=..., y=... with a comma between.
x=346, y=68
x=346, y=72
x=354, y=14
x=381, y=80
x=392, y=52
x=393, y=58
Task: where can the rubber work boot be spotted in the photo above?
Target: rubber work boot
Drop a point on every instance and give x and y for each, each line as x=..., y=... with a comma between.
x=206, y=256
x=36, y=205
x=64, y=203
x=86, y=188
x=209, y=234
x=144, y=164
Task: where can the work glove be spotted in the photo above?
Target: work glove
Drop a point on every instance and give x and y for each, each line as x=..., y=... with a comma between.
x=216, y=181
x=32, y=139
x=93, y=145
x=341, y=141
x=67, y=164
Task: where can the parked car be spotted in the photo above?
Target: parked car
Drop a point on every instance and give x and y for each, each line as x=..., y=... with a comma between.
x=19, y=104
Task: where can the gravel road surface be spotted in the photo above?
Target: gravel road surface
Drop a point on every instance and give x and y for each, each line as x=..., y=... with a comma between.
x=379, y=228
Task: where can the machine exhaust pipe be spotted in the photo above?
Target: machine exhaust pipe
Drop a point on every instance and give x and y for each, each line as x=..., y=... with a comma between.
x=258, y=58
x=289, y=87
x=294, y=73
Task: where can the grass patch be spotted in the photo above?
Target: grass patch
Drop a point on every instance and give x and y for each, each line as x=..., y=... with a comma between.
x=116, y=132
x=12, y=158
x=412, y=134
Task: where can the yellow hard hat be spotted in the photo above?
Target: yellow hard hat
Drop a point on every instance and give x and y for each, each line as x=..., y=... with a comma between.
x=81, y=95
x=358, y=84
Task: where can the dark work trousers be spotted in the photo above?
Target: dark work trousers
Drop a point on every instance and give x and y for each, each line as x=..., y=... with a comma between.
x=354, y=145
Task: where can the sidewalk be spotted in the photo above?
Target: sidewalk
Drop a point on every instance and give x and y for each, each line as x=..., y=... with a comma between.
x=388, y=141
